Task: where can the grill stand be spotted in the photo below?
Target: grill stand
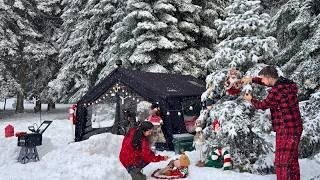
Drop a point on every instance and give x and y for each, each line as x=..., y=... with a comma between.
x=28, y=154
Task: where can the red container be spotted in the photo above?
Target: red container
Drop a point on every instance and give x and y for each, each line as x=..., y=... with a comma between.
x=19, y=134
x=9, y=131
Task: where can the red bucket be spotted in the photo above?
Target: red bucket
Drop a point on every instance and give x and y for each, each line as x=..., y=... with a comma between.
x=9, y=131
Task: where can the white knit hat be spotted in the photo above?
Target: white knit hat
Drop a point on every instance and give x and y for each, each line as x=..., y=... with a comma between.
x=198, y=129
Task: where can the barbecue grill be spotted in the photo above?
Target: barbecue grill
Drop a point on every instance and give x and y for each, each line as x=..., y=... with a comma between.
x=29, y=142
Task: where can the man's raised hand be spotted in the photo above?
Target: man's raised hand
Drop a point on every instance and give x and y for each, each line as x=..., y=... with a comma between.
x=246, y=80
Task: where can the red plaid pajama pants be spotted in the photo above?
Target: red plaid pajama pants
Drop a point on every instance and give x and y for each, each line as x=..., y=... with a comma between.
x=286, y=156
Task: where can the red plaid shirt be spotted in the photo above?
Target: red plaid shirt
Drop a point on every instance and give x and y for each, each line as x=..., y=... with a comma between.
x=283, y=103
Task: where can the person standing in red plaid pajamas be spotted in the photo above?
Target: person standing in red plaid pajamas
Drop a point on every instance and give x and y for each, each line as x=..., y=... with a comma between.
x=283, y=103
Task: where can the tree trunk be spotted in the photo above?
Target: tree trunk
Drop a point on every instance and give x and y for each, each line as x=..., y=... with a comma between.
x=21, y=77
x=20, y=105
x=4, y=106
x=51, y=105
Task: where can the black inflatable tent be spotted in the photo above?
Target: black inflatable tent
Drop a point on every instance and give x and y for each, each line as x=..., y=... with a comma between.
x=172, y=92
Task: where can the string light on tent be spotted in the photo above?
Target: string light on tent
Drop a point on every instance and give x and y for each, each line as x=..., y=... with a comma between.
x=168, y=113
x=116, y=89
x=190, y=108
x=179, y=113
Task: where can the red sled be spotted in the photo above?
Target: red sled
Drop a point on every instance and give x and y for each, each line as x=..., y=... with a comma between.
x=174, y=175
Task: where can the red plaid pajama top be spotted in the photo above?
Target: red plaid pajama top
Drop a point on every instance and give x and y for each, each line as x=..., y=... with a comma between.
x=283, y=103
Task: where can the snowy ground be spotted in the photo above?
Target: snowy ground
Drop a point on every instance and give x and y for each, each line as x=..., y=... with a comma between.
x=96, y=158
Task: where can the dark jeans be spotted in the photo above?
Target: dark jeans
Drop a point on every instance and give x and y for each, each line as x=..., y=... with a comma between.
x=136, y=174
x=135, y=171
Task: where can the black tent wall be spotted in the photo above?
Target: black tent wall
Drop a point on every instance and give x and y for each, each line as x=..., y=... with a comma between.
x=173, y=124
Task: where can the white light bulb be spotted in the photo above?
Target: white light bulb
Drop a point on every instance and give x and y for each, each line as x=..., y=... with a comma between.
x=168, y=113
x=179, y=113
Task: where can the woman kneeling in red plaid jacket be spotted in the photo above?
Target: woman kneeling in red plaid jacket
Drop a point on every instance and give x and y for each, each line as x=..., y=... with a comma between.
x=283, y=103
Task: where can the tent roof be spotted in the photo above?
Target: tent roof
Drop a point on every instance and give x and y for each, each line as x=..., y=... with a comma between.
x=162, y=85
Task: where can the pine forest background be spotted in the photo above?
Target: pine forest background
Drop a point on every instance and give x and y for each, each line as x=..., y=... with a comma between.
x=54, y=51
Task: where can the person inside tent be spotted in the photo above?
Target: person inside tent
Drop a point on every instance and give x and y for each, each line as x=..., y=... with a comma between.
x=130, y=121
x=135, y=151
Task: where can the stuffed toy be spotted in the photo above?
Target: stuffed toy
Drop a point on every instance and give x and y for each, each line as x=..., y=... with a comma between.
x=233, y=83
x=198, y=142
x=178, y=168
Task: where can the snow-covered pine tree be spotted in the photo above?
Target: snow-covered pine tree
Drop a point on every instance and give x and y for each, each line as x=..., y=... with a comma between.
x=297, y=29
x=310, y=143
x=49, y=22
x=80, y=43
x=138, y=39
x=244, y=46
x=192, y=60
x=8, y=85
x=165, y=33
x=22, y=44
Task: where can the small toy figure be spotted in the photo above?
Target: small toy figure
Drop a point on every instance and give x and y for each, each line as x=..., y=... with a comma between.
x=220, y=157
x=209, y=103
x=198, y=142
x=233, y=83
x=216, y=126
